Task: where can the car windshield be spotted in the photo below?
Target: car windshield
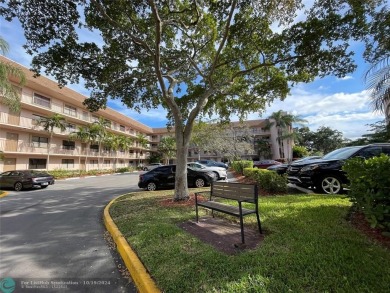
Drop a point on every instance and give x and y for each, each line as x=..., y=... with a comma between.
x=341, y=154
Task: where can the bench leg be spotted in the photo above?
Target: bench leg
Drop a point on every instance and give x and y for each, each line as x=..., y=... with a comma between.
x=242, y=229
x=196, y=209
x=259, y=223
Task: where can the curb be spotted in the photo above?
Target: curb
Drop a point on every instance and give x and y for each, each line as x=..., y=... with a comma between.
x=5, y=193
x=138, y=272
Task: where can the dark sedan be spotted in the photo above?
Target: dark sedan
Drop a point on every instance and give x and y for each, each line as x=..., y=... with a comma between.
x=264, y=164
x=24, y=179
x=164, y=177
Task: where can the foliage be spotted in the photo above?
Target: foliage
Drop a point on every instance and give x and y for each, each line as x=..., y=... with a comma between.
x=167, y=147
x=263, y=148
x=239, y=166
x=193, y=58
x=231, y=140
x=124, y=169
x=155, y=158
x=324, y=140
x=300, y=151
x=380, y=133
x=370, y=188
x=309, y=246
x=10, y=95
x=267, y=180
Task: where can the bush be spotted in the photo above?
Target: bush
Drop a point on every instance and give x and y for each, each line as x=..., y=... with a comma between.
x=370, y=188
x=124, y=169
x=299, y=151
x=267, y=180
x=239, y=166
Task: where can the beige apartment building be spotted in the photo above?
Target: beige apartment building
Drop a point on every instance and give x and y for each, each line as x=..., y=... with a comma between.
x=25, y=144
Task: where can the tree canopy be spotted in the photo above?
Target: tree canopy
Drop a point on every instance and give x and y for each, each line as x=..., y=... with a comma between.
x=192, y=57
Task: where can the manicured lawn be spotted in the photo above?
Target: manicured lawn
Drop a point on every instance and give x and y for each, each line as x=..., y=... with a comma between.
x=309, y=246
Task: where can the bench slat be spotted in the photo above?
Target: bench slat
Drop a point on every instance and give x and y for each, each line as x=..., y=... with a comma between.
x=232, y=210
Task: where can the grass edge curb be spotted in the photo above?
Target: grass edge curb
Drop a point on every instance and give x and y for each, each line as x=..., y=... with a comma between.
x=5, y=193
x=138, y=272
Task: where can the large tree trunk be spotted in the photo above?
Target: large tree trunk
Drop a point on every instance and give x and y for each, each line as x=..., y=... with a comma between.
x=181, y=184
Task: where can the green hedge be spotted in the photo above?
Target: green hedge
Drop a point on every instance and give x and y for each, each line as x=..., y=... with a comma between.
x=267, y=180
x=239, y=166
x=370, y=188
x=61, y=174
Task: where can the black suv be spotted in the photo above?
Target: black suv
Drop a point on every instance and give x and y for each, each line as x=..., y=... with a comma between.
x=326, y=174
x=164, y=177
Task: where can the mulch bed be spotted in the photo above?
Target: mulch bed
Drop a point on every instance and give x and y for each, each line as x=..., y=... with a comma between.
x=226, y=237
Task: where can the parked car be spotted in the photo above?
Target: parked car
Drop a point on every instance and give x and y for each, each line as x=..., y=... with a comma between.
x=282, y=168
x=23, y=179
x=152, y=166
x=264, y=164
x=164, y=177
x=326, y=174
x=211, y=163
x=220, y=172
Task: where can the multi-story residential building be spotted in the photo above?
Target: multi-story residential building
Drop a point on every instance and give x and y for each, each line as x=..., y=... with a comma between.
x=26, y=145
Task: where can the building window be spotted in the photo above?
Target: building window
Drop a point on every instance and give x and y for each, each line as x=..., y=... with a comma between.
x=94, y=147
x=85, y=116
x=40, y=142
x=67, y=163
x=107, y=163
x=94, y=163
x=122, y=128
x=68, y=145
x=41, y=100
x=70, y=128
x=95, y=118
x=69, y=110
x=37, y=163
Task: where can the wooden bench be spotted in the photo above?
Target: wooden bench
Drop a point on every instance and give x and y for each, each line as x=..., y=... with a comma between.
x=242, y=193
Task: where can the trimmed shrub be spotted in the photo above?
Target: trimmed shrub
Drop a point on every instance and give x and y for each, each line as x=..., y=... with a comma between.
x=267, y=180
x=370, y=188
x=239, y=166
x=272, y=182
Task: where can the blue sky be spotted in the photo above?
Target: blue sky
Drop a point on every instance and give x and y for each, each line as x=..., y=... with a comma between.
x=341, y=104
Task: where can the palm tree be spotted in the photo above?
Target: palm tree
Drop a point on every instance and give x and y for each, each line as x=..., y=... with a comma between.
x=142, y=140
x=48, y=124
x=378, y=83
x=99, y=128
x=85, y=135
x=114, y=142
x=10, y=95
x=283, y=123
x=126, y=143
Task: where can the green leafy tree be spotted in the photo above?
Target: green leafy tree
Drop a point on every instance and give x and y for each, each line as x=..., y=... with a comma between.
x=326, y=139
x=49, y=124
x=167, y=147
x=192, y=57
x=10, y=96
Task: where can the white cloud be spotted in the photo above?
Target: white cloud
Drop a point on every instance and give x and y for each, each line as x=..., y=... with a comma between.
x=345, y=77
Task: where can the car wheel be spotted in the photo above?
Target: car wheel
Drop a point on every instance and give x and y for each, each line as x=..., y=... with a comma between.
x=199, y=182
x=330, y=184
x=44, y=186
x=217, y=175
x=18, y=186
x=151, y=186
x=145, y=169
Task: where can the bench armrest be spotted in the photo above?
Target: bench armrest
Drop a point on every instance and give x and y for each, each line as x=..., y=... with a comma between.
x=205, y=193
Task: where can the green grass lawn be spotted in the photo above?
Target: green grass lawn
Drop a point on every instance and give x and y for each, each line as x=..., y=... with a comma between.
x=309, y=246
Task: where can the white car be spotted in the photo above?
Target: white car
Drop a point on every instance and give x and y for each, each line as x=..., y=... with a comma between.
x=152, y=166
x=220, y=172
